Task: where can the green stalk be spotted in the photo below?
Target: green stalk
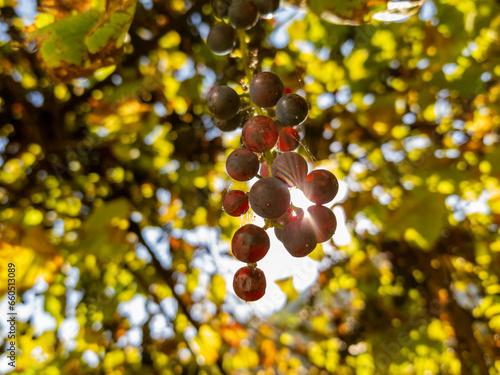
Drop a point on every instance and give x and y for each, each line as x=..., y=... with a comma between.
x=245, y=55
x=269, y=160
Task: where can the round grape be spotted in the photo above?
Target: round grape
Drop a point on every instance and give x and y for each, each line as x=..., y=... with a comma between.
x=249, y=283
x=269, y=198
x=266, y=89
x=292, y=110
x=224, y=102
x=288, y=139
x=250, y=243
x=299, y=238
x=267, y=7
x=291, y=168
x=259, y=134
x=235, y=203
x=221, y=7
x=323, y=222
x=320, y=186
x=243, y=14
x=242, y=164
x=221, y=39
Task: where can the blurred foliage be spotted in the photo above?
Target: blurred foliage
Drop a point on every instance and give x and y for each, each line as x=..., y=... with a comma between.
x=112, y=174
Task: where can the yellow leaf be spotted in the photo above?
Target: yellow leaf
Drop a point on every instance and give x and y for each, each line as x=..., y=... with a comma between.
x=209, y=343
x=218, y=289
x=34, y=257
x=286, y=285
x=37, y=352
x=245, y=358
x=268, y=350
x=233, y=334
x=113, y=359
x=320, y=324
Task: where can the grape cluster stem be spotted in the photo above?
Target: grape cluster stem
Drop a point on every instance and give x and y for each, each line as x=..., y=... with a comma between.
x=246, y=63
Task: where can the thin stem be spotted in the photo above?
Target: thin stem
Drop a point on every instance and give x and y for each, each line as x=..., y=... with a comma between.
x=245, y=55
x=270, y=223
x=269, y=160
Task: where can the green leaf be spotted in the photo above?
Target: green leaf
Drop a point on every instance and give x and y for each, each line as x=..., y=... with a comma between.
x=111, y=29
x=78, y=45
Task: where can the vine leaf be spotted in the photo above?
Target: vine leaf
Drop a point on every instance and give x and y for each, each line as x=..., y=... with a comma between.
x=78, y=45
x=359, y=12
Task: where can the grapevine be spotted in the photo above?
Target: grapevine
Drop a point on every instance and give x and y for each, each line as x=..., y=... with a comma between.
x=269, y=140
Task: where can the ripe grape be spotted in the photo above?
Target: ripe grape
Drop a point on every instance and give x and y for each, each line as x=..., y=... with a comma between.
x=267, y=7
x=292, y=110
x=269, y=198
x=288, y=139
x=249, y=283
x=221, y=39
x=266, y=89
x=242, y=164
x=221, y=7
x=234, y=123
x=224, y=102
x=291, y=168
x=243, y=14
x=250, y=243
x=299, y=238
x=259, y=134
x=320, y=186
x=235, y=203
x=323, y=222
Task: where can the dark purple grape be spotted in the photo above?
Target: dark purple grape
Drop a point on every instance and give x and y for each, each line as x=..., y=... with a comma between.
x=269, y=198
x=221, y=7
x=243, y=14
x=288, y=139
x=235, y=203
x=242, y=164
x=323, y=222
x=259, y=134
x=267, y=7
x=250, y=243
x=299, y=238
x=224, y=102
x=266, y=89
x=249, y=283
x=234, y=123
x=292, y=110
x=291, y=168
x=320, y=186
x=221, y=39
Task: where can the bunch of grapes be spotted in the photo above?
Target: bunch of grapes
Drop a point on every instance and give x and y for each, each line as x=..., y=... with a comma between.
x=267, y=152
